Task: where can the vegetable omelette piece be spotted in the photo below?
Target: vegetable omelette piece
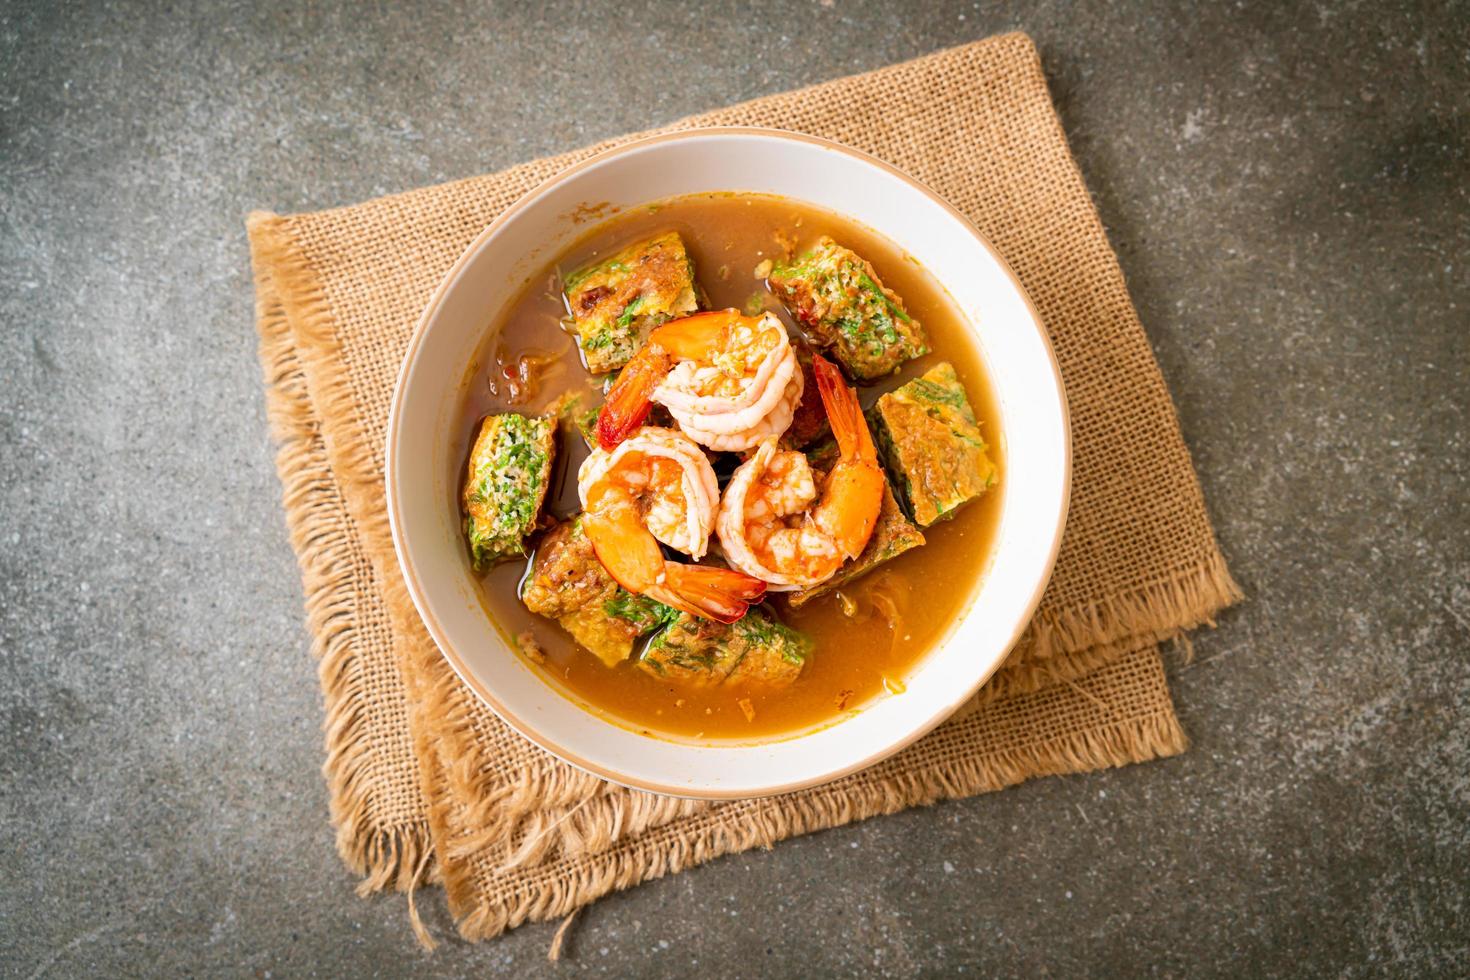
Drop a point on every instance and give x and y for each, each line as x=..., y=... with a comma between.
x=700, y=653
x=893, y=534
x=568, y=584
x=931, y=445
x=836, y=295
x=615, y=302
x=509, y=474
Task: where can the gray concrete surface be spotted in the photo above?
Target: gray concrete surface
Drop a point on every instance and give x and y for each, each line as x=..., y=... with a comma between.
x=1287, y=187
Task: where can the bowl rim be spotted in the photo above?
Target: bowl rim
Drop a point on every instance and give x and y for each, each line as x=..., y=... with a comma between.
x=420, y=598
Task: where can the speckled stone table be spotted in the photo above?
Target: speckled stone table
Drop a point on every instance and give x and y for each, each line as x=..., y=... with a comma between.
x=1289, y=190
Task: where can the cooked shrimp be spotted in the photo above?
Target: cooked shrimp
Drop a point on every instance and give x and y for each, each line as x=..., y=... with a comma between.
x=774, y=524
x=728, y=380
x=774, y=423
x=672, y=478
x=658, y=486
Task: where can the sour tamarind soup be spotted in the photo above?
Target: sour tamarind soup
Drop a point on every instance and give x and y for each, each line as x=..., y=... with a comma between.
x=794, y=497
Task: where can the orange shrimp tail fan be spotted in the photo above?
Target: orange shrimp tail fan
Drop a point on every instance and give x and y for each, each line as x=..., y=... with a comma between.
x=630, y=399
x=844, y=413
x=721, y=594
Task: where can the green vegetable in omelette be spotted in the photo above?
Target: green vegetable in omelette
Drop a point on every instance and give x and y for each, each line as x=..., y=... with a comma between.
x=701, y=653
x=568, y=584
x=931, y=445
x=509, y=475
x=615, y=302
x=837, y=296
x=643, y=613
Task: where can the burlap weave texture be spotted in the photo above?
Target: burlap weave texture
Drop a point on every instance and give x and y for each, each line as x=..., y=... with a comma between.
x=426, y=781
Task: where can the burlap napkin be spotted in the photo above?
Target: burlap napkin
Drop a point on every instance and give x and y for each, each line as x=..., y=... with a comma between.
x=426, y=784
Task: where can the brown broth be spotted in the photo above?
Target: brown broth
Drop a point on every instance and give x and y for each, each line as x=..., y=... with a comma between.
x=854, y=659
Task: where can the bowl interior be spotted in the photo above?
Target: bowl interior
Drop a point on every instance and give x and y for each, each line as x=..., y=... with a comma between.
x=1032, y=429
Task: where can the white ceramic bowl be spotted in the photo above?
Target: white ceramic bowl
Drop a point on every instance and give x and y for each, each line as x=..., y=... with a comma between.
x=1017, y=354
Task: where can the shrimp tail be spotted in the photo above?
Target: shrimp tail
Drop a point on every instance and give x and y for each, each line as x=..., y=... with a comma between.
x=629, y=553
x=853, y=494
x=721, y=594
x=844, y=413
x=631, y=397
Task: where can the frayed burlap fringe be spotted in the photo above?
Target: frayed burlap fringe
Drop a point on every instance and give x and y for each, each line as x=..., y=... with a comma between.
x=354, y=463
x=384, y=855
x=1154, y=612
x=758, y=824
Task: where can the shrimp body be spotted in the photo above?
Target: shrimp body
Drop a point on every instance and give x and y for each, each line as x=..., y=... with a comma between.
x=772, y=423
x=728, y=380
x=668, y=476
x=657, y=486
x=778, y=526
